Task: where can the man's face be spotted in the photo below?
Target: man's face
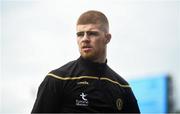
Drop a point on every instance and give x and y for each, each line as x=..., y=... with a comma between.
x=91, y=41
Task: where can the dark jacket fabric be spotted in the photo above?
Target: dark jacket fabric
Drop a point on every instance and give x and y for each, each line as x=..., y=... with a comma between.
x=85, y=86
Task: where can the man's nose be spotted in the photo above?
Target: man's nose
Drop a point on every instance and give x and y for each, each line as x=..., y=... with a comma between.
x=85, y=37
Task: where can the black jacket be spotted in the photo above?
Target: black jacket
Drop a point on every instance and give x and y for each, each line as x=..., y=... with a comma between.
x=84, y=86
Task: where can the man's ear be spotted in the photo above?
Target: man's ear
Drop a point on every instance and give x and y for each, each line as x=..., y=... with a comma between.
x=108, y=38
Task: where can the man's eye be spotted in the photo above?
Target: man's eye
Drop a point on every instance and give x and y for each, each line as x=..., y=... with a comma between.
x=92, y=33
x=80, y=34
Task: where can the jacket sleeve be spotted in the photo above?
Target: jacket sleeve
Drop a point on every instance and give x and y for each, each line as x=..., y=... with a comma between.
x=131, y=105
x=48, y=97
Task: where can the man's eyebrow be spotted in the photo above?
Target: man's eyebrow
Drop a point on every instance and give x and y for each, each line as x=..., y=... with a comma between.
x=93, y=31
x=87, y=31
x=80, y=32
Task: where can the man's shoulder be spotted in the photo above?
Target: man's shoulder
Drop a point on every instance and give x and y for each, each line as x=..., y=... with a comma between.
x=115, y=76
x=65, y=69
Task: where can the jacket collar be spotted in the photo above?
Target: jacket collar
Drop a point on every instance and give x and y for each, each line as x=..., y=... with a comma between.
x=90, y=63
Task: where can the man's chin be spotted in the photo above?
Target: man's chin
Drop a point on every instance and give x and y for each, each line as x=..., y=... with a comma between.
x=89, y=56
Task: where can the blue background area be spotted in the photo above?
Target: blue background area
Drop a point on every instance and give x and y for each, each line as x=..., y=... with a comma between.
x=151, y=93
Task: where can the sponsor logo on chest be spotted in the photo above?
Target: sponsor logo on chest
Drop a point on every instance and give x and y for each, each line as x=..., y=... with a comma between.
x=83, y=101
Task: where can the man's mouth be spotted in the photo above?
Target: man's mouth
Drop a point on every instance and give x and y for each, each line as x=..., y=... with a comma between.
x=86, y=48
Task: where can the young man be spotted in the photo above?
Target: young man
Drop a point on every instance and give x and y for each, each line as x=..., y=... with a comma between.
x=87, y=84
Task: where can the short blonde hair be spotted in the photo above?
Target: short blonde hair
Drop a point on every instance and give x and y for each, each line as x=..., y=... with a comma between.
x=94, y=17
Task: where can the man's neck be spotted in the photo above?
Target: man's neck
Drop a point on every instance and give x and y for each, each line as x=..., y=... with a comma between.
x=100, y=60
